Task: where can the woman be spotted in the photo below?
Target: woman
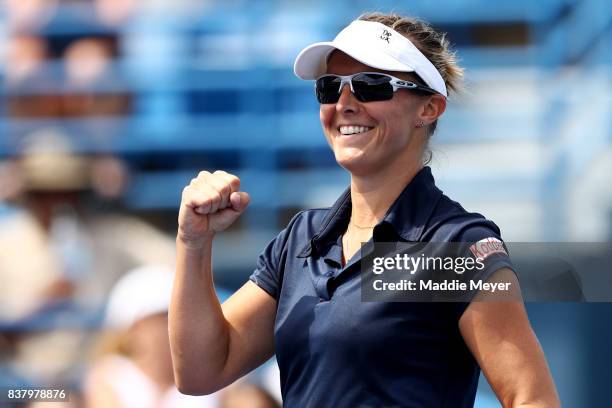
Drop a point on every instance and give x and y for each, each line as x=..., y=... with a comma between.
x=135, y=369
x=382, y=84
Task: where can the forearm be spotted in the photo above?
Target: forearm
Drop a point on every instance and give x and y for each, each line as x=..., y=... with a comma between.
x=198, y=330
x=531, y=385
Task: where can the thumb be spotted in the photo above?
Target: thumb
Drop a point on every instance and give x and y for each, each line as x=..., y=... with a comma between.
x=240, y=200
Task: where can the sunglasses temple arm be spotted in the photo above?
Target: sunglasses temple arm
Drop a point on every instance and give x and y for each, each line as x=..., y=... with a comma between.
x=415, y=87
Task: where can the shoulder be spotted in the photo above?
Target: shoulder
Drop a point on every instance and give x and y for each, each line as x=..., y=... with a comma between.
x=312, y=218
x=306, y=223
x=300, y=230
x=450, y=222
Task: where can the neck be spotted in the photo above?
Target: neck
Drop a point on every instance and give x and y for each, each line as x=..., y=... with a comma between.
x=372, y=195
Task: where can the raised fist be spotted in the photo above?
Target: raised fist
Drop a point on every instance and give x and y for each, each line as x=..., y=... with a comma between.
x=210, y=203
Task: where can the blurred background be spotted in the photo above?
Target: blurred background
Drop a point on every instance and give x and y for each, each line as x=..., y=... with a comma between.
x=110, y=107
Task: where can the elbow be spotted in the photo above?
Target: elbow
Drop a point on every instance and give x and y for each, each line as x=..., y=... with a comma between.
x=547, y=400
x=196, y=381
x=193, y=378
x=195, y=390
x=200, y=379
x=552, y=402
x=196, y=373
x=195, y=387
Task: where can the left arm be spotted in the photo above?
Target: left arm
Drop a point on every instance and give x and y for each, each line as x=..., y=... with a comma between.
x=500, y=337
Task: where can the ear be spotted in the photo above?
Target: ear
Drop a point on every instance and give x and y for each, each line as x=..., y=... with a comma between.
x=432, y=109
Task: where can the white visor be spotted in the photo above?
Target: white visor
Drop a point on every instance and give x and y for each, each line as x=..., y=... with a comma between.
x=373, y=44
x=141, y=292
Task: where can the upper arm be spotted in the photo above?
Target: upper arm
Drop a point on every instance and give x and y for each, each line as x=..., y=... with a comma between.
x=251, y=311
x=498, y=333
x=250, y=315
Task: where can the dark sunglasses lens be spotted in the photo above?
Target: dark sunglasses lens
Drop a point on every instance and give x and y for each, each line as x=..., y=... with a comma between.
x=372, y=87
x=327, y=89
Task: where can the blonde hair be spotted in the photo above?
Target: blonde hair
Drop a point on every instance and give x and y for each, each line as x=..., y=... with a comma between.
x=432, y=43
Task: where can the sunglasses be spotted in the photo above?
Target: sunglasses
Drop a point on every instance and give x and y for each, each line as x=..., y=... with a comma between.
x=366, y=86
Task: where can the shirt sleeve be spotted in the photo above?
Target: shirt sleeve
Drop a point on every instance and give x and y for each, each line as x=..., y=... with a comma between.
x=485, y=246
x=268, y=273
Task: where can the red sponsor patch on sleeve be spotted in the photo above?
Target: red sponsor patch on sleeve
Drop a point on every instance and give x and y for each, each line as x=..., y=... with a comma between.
x=485, y=247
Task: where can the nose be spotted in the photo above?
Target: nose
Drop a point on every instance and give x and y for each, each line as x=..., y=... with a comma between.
x=347, y=103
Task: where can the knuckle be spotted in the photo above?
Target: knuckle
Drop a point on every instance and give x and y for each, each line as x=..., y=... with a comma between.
x=204, y=203
x=225, y=189
x=234, y=181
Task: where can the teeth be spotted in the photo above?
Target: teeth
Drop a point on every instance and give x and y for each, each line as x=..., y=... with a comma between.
x=351, y=130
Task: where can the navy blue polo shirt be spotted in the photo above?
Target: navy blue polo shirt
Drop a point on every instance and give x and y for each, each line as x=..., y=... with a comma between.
x=334, y=350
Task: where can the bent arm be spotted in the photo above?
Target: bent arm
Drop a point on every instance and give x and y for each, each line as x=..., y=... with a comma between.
x=213, y=345
x=500, y=337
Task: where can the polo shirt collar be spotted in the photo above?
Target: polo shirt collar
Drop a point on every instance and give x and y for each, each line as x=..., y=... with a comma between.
x=411, y=211
x=408, y=214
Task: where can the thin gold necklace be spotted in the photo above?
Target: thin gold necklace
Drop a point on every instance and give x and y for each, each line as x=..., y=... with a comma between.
x=361, y=226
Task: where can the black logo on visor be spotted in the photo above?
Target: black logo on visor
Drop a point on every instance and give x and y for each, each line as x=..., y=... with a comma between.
x=385, y=35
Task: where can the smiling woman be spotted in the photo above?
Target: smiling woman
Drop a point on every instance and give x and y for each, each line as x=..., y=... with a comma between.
x=392, y=135
x=382, y=84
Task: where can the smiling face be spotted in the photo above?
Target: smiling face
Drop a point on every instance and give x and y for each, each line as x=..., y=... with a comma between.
x=367, y=137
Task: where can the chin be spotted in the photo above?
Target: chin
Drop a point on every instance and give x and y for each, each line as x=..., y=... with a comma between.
x=355, y=164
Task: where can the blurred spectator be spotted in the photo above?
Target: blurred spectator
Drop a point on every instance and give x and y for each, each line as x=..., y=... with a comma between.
x=25, y=78
x=87, y=67
x=53, y=186
x=133, y=366
x=135, y=369
x=88, y=86
x=87, y=60
x=108, y=177
x=114, y=12
x=57, y=256
x=31, y=269
x=25, y=55
x=29, y=14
